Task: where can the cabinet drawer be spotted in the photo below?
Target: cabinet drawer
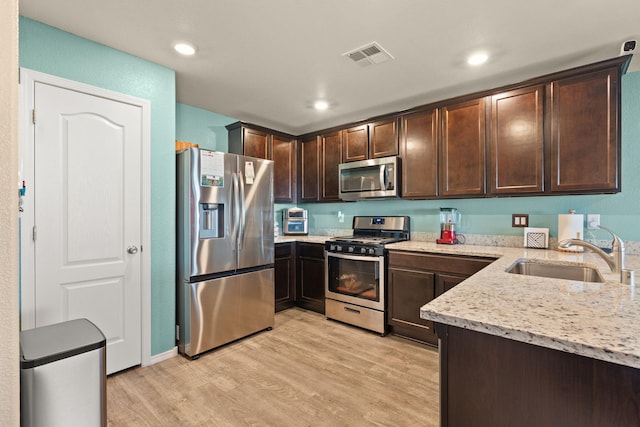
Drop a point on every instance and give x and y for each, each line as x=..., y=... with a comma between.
x=431, y=262
x=311, y=250
x=283, y=250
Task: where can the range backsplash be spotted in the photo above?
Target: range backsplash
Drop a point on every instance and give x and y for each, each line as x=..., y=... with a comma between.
x=631, y=247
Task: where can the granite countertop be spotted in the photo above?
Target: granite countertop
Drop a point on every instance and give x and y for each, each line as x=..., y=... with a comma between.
x=597, y=320
x=309, y=239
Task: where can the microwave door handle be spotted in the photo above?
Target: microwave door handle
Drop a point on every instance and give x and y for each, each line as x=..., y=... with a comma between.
x=383, y=177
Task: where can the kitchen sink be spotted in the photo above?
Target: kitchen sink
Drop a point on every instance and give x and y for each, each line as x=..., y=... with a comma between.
x=554, y=270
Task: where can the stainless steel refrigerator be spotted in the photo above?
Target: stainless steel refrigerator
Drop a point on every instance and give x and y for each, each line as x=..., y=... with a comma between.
x=225, y=239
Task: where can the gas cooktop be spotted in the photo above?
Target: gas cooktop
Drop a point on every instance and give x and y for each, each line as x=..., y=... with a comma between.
x=370, y=234
x=374, y=240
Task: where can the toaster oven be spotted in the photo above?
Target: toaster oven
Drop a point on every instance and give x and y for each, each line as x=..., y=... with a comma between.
x=295, y=222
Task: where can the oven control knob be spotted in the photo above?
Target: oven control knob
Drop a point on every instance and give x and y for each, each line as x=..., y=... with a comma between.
x=371, y=251
x=363, y=250
x=338, y=248
x=332, y=247
x=350, y=248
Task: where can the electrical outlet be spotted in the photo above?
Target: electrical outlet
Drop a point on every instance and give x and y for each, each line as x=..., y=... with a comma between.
x=340, y=216
x=519, y=220
x=593, y=221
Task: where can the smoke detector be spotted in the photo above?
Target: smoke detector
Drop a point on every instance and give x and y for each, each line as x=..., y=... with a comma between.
x=369, y=54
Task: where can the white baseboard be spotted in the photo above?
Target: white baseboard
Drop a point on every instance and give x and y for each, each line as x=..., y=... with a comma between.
x=157, y=358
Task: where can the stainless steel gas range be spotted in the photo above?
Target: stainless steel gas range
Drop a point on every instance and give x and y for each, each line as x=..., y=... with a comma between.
x=356, y=271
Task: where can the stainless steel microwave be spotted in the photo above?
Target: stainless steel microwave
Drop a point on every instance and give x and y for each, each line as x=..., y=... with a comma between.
x=370, y=179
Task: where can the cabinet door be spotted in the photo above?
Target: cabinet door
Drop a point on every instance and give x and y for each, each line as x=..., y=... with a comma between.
x=355, y=143
x=256, y=143
x=462, y=148
x=310, y=286
x=309, y=163
x=446, y=282
x=585, y=152
x=331, y=149
x=383, y=138
x=284, y=169
x=408, y=291
x=516, y=150
x=419, y=152
x=284, y=275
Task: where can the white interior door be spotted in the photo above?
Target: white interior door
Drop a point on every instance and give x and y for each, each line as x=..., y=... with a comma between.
x=87, y=216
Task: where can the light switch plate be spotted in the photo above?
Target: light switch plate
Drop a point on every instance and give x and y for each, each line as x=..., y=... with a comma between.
x=520, y=220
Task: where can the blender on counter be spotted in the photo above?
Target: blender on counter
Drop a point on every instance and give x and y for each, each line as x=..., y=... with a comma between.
x=449, y=217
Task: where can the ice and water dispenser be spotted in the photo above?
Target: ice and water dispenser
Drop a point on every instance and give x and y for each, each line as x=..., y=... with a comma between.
x=211, y=220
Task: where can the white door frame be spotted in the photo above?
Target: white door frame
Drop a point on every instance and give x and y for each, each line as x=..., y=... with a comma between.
x=28, y=78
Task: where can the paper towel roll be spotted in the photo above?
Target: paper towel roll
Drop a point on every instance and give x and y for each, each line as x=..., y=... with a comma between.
x=571, y=226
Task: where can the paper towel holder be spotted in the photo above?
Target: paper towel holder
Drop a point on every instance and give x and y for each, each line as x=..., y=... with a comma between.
x=570, y=227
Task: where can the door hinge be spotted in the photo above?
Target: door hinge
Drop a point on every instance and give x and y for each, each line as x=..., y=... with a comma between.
x=177, y=332
x=33, y=116
x=35, y=233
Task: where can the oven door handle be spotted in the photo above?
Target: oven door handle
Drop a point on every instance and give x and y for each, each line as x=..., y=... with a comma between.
x=366, y=258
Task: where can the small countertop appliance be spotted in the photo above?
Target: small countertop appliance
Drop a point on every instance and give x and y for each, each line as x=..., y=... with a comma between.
x=449, y=217
x=295, y=221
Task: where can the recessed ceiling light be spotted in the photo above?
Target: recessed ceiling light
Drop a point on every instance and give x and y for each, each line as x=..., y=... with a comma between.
x=184, y=49
x=477, y=58
x=321, y=105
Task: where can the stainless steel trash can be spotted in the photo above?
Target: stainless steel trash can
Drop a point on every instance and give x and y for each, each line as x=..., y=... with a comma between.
x=63, y=375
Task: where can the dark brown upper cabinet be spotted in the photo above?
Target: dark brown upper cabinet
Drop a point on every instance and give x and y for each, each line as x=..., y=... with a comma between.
x=419, y=153
x=254, y=141
x=370, y=141
x=248, y=141
x=355, y=143
x=585, y=133
x=284, y=156
x=554, y=134
x=516, y=148
x=309, y=166
x=330, y=158
x=462, y=149
x=383, y=138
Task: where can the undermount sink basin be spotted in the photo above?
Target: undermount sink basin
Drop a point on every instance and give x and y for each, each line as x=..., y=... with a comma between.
x=582, y=273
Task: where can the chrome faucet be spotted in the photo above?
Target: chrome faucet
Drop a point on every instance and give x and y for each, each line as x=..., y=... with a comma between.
x=615, y=261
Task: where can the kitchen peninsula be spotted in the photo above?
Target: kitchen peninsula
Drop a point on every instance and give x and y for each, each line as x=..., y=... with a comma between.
x=525, y=350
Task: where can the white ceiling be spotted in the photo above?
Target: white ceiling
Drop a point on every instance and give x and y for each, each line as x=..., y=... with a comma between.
x=265, y=62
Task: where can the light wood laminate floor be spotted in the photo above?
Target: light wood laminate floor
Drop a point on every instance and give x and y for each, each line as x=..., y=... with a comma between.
x=307, y=371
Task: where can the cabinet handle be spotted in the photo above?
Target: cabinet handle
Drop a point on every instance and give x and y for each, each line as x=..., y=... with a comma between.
x=352, y=310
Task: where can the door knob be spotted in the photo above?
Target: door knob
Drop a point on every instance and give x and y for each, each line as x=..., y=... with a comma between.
x=132, y=249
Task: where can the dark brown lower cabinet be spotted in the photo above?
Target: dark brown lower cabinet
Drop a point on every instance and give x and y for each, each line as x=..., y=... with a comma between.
x=408, y=291
x=310, y=275
x=414, y=279
x=285, y=275
x=486, y=380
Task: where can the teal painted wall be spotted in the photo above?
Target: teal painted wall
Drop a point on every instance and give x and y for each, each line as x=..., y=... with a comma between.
x=621, y=211
x=49, y=50
x=202, y=127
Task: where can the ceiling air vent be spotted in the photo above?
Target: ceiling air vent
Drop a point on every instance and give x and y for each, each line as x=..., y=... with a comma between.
x=369, y=54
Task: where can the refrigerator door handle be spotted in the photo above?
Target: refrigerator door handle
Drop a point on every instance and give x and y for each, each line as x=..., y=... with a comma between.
x=243, y=211
x=236, y=211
